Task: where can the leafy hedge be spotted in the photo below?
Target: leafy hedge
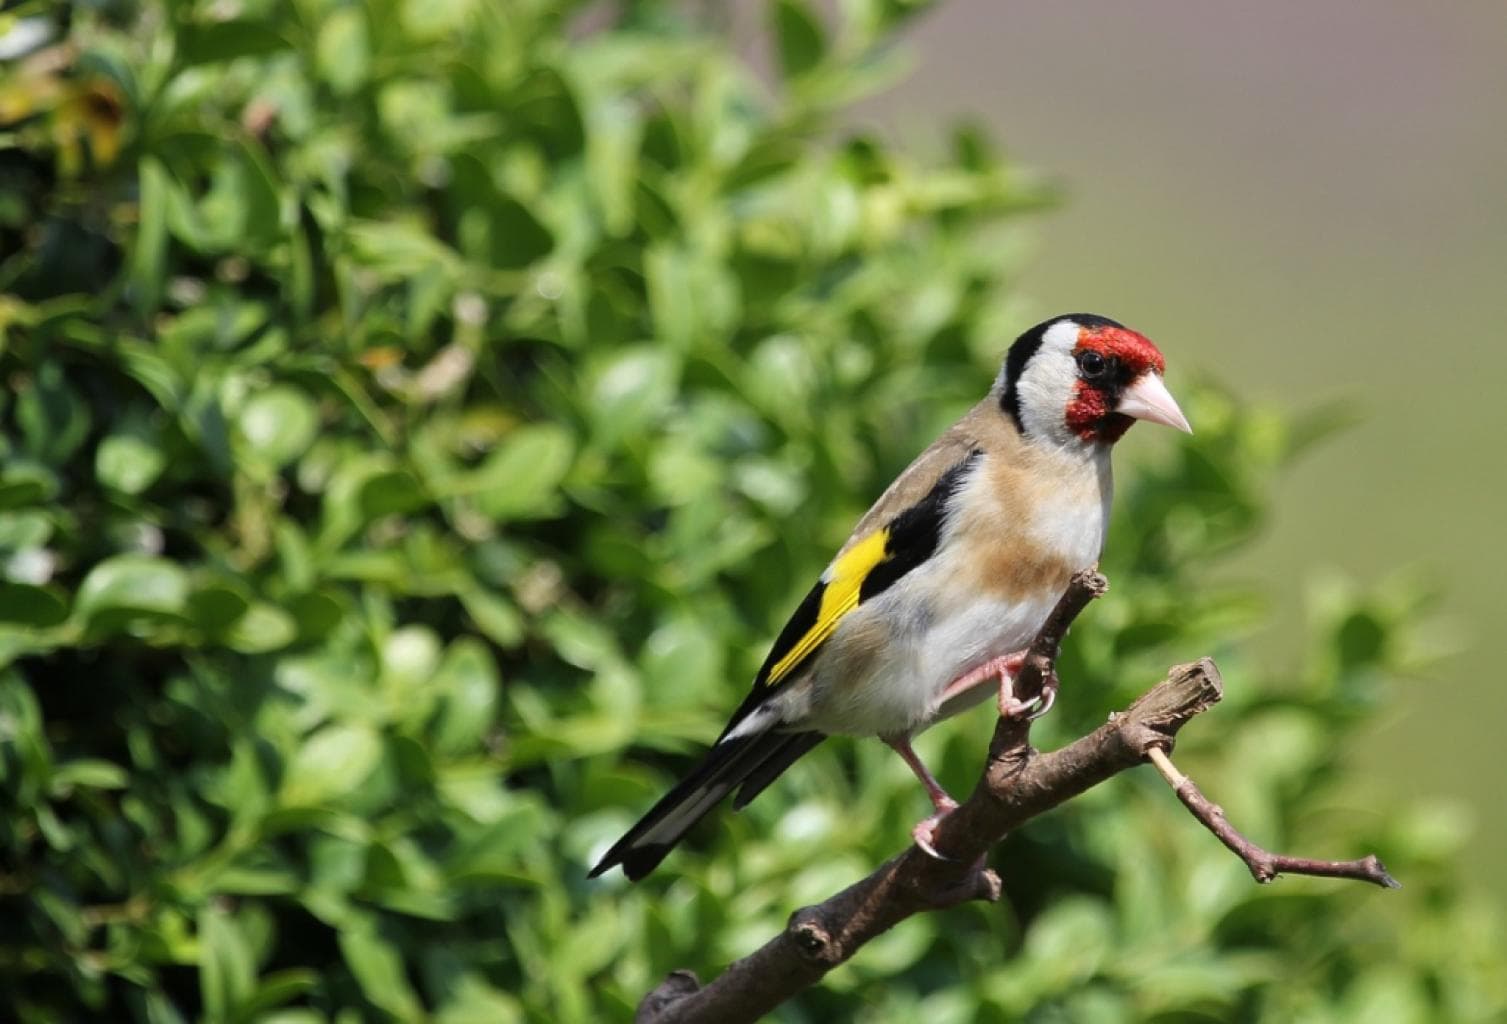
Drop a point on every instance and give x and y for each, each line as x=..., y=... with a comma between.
x=418, y=416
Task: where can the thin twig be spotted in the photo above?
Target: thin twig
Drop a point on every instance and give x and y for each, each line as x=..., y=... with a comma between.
x=1264, y=864
x=1041, y=656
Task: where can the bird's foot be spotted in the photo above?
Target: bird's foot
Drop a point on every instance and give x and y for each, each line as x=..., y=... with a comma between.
x=1011, y=706
x=926, y=829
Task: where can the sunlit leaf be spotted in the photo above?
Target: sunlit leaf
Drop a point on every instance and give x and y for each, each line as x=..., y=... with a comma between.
x=226, y=971
x=330, y=763
x=278, y=424
x=128, y=463
x=521, y=478
x=133, y=583
x=343, y=49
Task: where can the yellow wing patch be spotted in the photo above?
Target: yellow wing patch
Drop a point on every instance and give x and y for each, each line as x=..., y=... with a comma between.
x=839, y=597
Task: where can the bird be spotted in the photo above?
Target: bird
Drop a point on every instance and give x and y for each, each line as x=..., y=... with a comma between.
x=945, y=580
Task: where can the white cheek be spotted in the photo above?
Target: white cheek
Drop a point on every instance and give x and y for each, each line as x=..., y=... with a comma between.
x=1044, y=389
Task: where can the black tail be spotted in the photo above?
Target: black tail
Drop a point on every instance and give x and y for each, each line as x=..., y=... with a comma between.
x=795, y=744
x=754, y=761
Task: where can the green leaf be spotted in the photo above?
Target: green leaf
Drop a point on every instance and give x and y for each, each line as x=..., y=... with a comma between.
x=1360, y=640
x=498, y=850
x=277, y=988
x=518, y=237
x=378, y=969
x=241, y=208
x=343, y=53
x=262, y=628
x=128, y=463
x=396, y=250
x=30, y=605
x=316, y=614
x=25, y=485
x=800, y=37
x=329, y=764
x=497, y=618
x=473, y=1001
x=132, y=583
x=410, y=655
x=208, y=42
x=278, y=424
x=391, y=493
x=227, y=973
x=302, y=1017
x=20, y=531
x=54, y=420
x=632, y=388
x=363, y=489
x=90, y=774
x=521, y=478
x=214, y=606
x=433, y=19
x=149, y=254
x=683, y=660
x=469, y=689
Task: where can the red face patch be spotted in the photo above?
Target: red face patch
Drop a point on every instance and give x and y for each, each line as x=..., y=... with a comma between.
x=1090, y=413
x=1134, y=351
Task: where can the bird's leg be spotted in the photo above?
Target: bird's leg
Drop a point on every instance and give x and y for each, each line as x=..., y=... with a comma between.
x=939, y=798
x=1005, y=668
x=924, y=830
x=973, y=677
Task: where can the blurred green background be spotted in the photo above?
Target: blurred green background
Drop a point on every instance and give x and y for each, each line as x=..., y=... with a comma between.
x=418, y=417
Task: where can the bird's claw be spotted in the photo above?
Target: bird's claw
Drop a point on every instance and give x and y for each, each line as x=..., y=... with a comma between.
x=1011, y=706
x=926, y=829
x=1045, y=699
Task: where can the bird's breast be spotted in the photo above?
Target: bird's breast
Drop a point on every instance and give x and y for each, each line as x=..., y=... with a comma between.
x=1013, y=539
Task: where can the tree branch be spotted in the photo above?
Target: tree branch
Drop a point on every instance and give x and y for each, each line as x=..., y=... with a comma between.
x=1264, y=864
x=1018, y=783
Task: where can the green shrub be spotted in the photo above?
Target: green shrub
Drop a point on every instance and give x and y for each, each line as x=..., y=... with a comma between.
x=418, y=416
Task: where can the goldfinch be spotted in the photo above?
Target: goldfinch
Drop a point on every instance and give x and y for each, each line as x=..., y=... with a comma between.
x=944, y=581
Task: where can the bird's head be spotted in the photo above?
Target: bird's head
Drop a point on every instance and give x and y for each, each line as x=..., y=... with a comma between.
x=1082, y=379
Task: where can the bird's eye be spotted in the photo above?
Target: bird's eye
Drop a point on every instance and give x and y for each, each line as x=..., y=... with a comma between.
x=1091, y=364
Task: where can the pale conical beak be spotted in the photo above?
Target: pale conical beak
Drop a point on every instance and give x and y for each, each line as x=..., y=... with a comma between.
x=1148, y=399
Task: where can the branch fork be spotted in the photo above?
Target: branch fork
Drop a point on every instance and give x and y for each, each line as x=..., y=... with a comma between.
x=1017, y=784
